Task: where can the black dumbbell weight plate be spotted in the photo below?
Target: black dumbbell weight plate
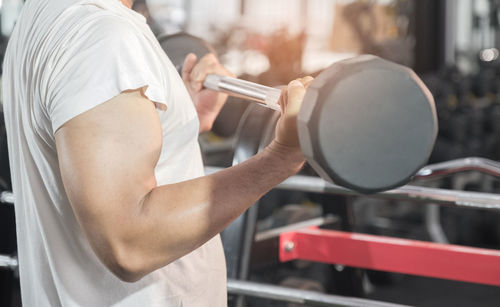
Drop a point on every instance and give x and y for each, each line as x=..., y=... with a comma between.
x=178, y=46
x=352, y=123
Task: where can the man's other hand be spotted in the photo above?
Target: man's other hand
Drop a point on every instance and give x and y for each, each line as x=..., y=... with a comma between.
x=208, y=103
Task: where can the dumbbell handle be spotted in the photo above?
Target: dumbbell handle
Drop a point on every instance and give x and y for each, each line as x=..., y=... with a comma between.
x=264, y=95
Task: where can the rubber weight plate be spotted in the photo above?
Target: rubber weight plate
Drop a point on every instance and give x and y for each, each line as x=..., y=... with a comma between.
x=367, y=124
x=178, y=46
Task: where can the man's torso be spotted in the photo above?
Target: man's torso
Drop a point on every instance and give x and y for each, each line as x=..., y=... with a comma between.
x=57, y=265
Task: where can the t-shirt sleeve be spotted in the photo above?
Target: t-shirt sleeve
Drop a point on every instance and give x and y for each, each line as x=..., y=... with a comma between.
x=99, y=63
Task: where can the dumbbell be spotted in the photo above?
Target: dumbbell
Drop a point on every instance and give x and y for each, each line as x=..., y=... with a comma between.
x=365, y=123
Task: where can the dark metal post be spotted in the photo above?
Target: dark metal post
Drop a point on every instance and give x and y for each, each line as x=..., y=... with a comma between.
x=430, y=33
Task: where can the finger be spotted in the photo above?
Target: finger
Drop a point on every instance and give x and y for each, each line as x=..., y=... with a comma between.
x=209, y=58
x=187, y=67
x=295, y=92
x=226, y=72
x=306, y=81
x=207, y=65
x=283, y=100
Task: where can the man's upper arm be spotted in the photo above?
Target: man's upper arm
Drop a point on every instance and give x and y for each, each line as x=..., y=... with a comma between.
x=107, y=157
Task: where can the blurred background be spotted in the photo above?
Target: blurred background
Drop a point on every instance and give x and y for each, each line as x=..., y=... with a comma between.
x=453, y=45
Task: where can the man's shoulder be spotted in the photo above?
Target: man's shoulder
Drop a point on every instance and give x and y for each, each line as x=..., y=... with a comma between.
x=90, y=20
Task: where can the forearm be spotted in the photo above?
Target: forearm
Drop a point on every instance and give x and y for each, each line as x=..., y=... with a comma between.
x=178, y=218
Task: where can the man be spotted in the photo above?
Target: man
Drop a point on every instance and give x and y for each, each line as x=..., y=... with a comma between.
x=112, y=207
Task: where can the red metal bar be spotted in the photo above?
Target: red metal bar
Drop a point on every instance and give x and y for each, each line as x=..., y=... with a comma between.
x=445, y=261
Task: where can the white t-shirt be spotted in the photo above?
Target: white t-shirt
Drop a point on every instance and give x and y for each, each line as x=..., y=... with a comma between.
x=64, y=58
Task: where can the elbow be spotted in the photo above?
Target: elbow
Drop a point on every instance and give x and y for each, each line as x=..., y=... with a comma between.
x=126, y=274
x=131, y=266
x=127, y=267
x=127, y=263
x=128, y=277
x=127, y=253
x=131, y=262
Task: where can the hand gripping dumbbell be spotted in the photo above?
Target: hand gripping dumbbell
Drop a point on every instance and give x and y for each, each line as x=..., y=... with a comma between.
x=365, y=123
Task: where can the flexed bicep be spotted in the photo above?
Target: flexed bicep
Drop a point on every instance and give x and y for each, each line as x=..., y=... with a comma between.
x=107, y=157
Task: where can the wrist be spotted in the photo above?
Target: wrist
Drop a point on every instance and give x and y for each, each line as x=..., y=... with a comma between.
x=289, y=157
x=205, y=124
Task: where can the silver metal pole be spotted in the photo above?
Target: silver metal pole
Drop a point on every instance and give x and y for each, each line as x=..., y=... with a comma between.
x=266, y=96
x=8, y=262
x=297, y=296
x=447, y=197
x=441, y=196
x=450, y=29
x=482, y=165
x=7, y=197
x=433, y=224
x=462, y=199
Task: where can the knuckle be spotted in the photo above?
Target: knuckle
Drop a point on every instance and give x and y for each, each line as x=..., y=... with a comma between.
x=211, y=57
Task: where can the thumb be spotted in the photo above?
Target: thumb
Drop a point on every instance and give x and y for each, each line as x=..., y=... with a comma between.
x=188, y=65
x=296, y=92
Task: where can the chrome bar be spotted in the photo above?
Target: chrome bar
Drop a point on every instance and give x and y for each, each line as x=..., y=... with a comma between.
x=297, y=296
x=408, y=192
x=8, y=262
x=275, y=232
x=482, y=165
x=266, y=96
x=452, y=198
x=434, y=226
x=7, y=197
